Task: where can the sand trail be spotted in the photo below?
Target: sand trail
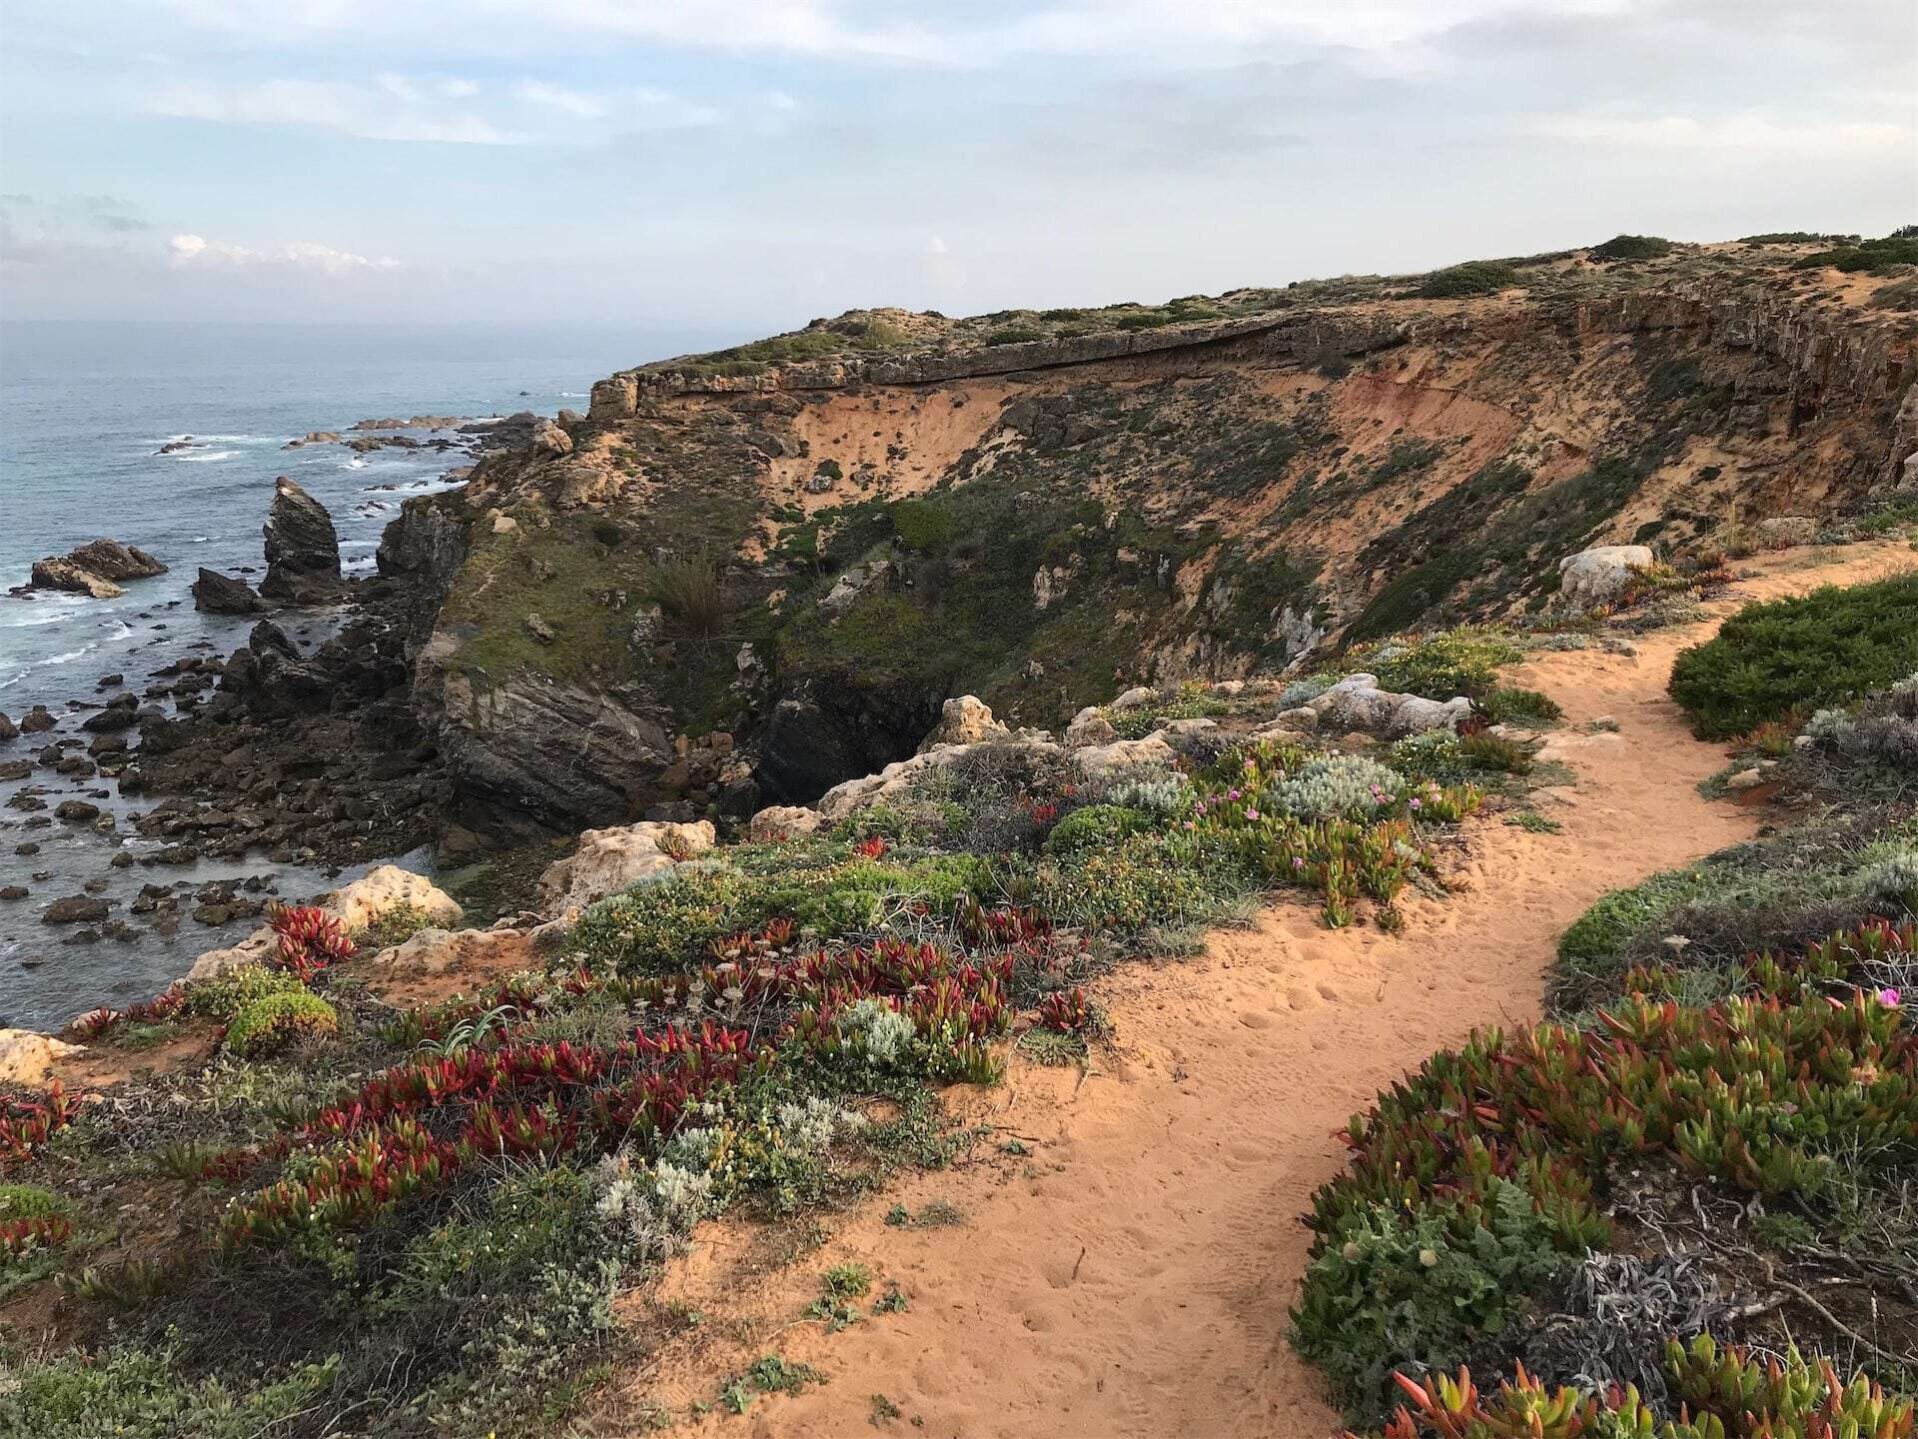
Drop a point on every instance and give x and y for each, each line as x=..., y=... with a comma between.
x=1132, y=1274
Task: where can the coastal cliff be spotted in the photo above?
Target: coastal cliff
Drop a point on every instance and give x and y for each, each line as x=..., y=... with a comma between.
x=743, y=577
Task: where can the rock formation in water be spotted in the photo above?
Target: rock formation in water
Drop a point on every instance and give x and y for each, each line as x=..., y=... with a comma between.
x=302, y=549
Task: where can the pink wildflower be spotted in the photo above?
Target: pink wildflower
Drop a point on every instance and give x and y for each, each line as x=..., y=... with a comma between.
x=1890, y=998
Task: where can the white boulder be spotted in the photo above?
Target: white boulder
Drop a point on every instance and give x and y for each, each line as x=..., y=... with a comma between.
x=782, y=821
x=610, y=860
x=1595, y=578
x=965, y=720
x=27, y=1057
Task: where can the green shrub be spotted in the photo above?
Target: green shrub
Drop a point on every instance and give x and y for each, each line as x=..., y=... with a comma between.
x=1632, y=247
x=1495, y=754
x=1514, y=704
x=1095, y=827
x=687, y=587
x=1014, y=335
x=1871, y=255
x=658, y=928
x=1463, y=661
x=922, y=524
x=28, y=1201
x=226, y=995
x=1474, y=277
x=274, y=1020
x=142, y=1392
x=1141, y=881
x=1405, y=1291
x=1826, y=648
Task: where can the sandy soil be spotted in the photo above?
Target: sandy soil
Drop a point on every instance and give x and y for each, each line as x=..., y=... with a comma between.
x=1131, y=1273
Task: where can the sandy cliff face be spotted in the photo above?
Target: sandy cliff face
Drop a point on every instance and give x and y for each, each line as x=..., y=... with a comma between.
x=743, y=577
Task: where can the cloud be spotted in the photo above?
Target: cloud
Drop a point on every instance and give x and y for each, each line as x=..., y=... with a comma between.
x=1757, y=135
x=573, y=102
x=196, y=250
x=392, y=108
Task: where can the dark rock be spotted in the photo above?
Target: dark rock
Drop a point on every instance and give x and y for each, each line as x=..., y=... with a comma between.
x=220, y=594
x=8, y=729
x=36, y=721
x=16, y=769
x=109, y=682
x=75, y=909
x=302, y=549
x=269, y=637
x=77, y=811
x=13, y=891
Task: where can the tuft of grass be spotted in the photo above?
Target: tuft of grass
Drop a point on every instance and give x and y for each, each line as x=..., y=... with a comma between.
x=688, y=588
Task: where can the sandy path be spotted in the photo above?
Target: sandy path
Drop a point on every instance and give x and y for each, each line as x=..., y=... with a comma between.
x=1133, y=1278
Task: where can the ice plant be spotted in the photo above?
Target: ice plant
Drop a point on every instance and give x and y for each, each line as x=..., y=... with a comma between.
x=310, y=940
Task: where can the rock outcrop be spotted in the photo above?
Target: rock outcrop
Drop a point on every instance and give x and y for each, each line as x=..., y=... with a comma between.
x=611, y=860
x=302, y=549
x=95, y=568
x=220, y=594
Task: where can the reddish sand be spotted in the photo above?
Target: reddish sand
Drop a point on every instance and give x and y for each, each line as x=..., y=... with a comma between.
x=1131, y=1275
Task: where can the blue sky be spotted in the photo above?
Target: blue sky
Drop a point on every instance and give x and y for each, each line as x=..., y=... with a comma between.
x=744, y=166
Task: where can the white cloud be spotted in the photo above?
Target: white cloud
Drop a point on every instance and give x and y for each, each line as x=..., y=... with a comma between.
x=198, y=251
x=392, y=108
x=1755, y=134
x=573, y=102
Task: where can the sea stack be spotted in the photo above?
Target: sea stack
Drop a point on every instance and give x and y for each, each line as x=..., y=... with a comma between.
x=302, y=549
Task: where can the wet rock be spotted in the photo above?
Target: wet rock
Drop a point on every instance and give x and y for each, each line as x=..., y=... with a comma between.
x=36, y=721
x=76, y=811
x=8, y=729
x=13, y=891
x=218, y=594
x=75, y=909
x=109, y=682
x=16, y=769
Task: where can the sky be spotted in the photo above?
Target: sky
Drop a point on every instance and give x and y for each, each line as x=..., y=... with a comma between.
x=741, y=166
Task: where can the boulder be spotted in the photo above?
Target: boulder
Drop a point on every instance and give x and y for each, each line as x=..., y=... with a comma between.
x=1357, y=705
x=29, y=1058
x=1594, y=578
x=218, y=594
x=1301, y=720
x=54, y=573
x=75, y=909
x=1090, y=727
x=440, y=951
x=302, y=548
x=1135, y=698
x=964, y=720
x=36, y=721
x=385, y=888
x=611, y=860
x=8, y=729
x=896, y=778
x=1783, y=531
x=782, y=821
x=215, y=962
x=1103, y=761
x=112, y=560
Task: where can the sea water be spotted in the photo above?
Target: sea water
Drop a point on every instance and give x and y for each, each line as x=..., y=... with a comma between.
x=84, y=411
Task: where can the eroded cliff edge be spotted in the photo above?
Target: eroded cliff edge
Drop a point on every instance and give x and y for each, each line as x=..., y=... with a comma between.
x=743, y=577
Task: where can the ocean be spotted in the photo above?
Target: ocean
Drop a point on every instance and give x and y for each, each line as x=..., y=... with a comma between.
x=84, y=411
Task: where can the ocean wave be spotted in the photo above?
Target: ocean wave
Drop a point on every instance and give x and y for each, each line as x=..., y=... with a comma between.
x=356, y=463
x=39, y=612
x=69, y=656
x=203, y=455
